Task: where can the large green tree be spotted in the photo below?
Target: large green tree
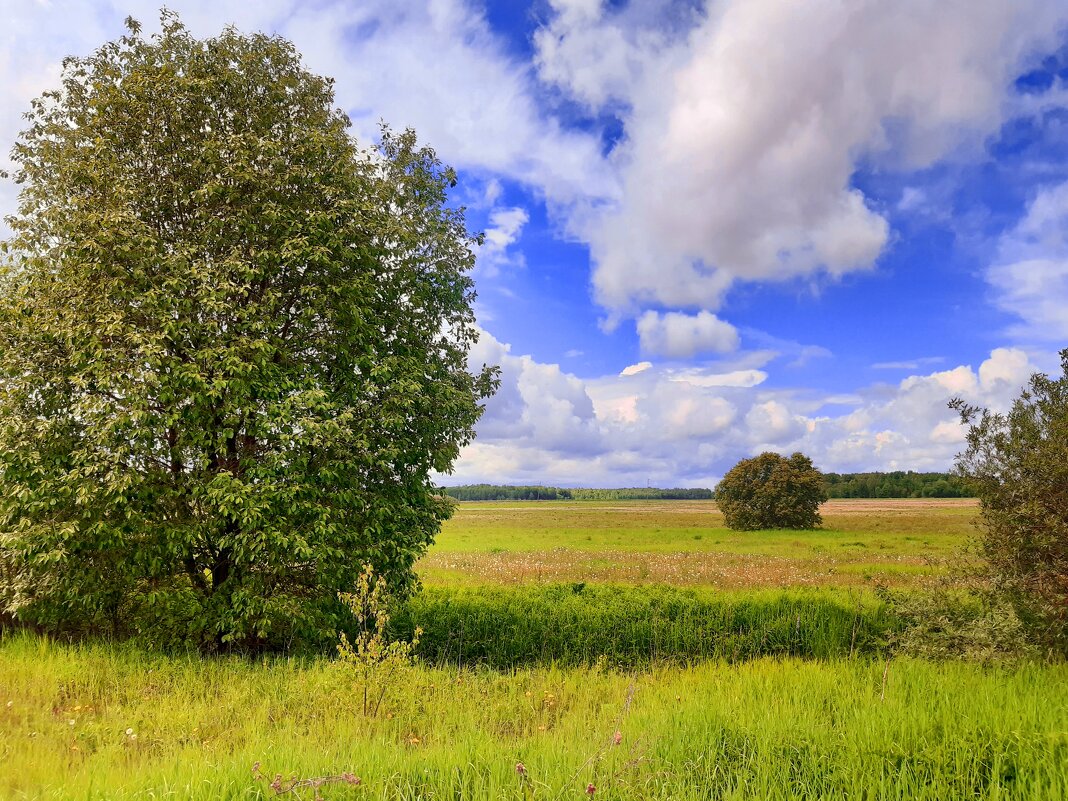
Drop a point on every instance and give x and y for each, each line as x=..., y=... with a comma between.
x=1017, y=463
x=772, y=491
x=233, y=347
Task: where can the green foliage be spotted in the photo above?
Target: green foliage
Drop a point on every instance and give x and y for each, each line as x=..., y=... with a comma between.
x=895, y=484
x=771, y=491
x=232, y=348
x=950, y=621
x=1017, y=463
x=374, y=658
x=498, y=492
x=575, y=624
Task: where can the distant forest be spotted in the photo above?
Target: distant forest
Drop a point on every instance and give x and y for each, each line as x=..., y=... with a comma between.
x=899, y=484
x=495, y=492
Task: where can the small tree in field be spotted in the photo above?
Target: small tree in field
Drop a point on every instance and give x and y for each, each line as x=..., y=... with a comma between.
x=771, y=491
x=233, y=347
x=1017, y=464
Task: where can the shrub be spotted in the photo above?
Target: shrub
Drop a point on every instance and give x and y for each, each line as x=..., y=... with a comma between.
x=771, y=491
x=373, y=657
x=1017, y=463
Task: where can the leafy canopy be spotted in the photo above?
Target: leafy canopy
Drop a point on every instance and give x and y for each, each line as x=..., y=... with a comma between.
x=772, y=491
x=1017, y=463
x=233, y=346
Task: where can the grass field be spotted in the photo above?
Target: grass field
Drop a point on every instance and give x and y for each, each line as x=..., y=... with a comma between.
x=685, y=543
x=101, y=722
x=726, y=665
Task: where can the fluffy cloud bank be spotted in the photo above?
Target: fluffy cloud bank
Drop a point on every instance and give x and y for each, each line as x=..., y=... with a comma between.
x=688, y=426
x=389, y=58
x=743, y=124
x=743, y=132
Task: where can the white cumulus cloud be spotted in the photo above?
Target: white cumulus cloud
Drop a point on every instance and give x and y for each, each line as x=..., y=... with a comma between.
x=742, y=135
x=680, y=336
x=688, y=426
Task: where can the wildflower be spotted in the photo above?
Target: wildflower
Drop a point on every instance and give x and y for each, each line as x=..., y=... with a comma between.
x=590, y=789
x=129, y=732
x=71, y=721
x=520, y=768
x=350, y=778
x=617, y=738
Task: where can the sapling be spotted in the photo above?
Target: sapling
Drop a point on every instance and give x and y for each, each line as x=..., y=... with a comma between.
x=371, y=654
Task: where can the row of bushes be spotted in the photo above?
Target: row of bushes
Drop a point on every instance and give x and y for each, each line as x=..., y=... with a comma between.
x=578, y=624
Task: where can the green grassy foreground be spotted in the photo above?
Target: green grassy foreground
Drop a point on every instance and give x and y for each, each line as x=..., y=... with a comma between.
x=112, y=722
x=733, y=665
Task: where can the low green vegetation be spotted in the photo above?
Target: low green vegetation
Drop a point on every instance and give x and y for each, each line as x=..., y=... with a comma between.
x=580, y=624
x=113, y=722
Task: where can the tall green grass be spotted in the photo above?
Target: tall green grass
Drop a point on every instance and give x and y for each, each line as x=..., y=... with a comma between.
x=580, y=624
x=765, y=729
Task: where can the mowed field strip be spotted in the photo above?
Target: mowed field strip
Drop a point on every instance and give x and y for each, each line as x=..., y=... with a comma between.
x=685, y=543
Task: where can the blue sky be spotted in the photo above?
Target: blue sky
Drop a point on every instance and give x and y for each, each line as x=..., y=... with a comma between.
x=712, y=228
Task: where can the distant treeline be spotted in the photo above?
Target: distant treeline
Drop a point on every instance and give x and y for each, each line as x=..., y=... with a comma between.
x=899, y=484
x=495, y=492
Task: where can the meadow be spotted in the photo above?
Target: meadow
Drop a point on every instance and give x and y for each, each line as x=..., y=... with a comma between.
x=685, y=543
x=629, y=650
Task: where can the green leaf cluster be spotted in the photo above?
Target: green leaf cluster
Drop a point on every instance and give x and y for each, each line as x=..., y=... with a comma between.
x=1017, y=464
x=233, y=347
x=772, y=491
